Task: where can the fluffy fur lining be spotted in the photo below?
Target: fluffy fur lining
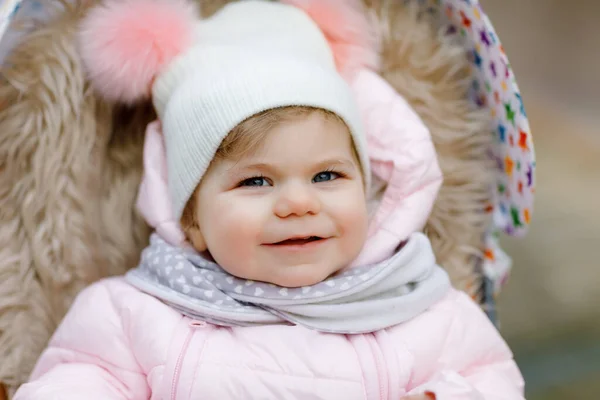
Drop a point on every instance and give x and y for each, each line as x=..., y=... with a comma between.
x=70, y=166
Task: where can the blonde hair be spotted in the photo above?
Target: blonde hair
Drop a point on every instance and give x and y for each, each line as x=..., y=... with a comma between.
x=247, y=136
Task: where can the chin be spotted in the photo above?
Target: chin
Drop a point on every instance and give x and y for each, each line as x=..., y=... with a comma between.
x=298, y=280
x=295, y=283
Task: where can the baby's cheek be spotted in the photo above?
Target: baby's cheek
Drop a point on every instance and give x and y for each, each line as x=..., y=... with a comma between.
x=236, y=230
x=240, y=220
x=352, y=213
x=354, y=225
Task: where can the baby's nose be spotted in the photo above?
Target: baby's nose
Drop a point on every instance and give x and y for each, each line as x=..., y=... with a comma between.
x=297, y=199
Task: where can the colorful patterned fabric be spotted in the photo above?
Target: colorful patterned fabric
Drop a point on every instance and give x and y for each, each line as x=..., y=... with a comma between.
x=494, y=87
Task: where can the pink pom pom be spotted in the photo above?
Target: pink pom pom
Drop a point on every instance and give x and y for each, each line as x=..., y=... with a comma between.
x=348, y=31
x=125, y=43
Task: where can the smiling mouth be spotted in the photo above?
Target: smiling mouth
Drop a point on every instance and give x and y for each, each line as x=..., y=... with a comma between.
x=298, y=241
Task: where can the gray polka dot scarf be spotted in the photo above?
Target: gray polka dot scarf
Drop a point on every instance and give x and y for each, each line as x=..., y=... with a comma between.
x=358, y=300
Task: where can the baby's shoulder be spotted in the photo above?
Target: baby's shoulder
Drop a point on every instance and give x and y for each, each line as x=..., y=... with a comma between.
x=456, y=303
x=116, y=295
x=454, y=321
x=455, y=308
x=115, y=289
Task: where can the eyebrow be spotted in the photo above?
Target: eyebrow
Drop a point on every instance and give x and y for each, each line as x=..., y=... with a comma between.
x=337, y=162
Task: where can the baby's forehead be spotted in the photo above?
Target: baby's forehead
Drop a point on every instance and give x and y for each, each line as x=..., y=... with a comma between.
x=309, y=135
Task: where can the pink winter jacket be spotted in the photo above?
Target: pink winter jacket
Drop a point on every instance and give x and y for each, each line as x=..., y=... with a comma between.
x=119, y=343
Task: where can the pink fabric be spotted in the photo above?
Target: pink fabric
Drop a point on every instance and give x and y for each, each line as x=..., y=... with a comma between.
x=400, y=150
x=153, y=196
x=402, y=154
x=119, y=343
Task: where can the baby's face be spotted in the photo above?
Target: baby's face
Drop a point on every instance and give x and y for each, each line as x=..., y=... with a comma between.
x=291, y=213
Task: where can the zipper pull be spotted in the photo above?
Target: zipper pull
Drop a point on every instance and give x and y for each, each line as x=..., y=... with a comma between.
x=197, y=324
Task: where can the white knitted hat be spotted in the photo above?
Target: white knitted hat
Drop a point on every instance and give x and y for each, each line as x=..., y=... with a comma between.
x=251, y=56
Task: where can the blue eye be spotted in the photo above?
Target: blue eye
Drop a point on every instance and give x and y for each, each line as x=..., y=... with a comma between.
x=254, y=182
x=325, y=176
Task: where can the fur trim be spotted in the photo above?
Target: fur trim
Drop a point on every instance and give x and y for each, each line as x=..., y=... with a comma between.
x=70, y=167
x=346, y=28
x=125, y=44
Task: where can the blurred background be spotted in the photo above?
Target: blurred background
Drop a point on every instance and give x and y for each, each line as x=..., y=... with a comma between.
x=550, y=310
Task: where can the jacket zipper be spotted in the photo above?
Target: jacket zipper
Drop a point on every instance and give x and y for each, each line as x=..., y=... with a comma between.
x=379, y=365
x=174, y=384
x=388, y=355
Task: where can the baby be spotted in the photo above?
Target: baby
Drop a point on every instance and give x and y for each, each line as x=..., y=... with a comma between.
x=268, y=277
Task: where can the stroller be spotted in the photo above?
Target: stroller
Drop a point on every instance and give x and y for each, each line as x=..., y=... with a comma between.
x=71, y=162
